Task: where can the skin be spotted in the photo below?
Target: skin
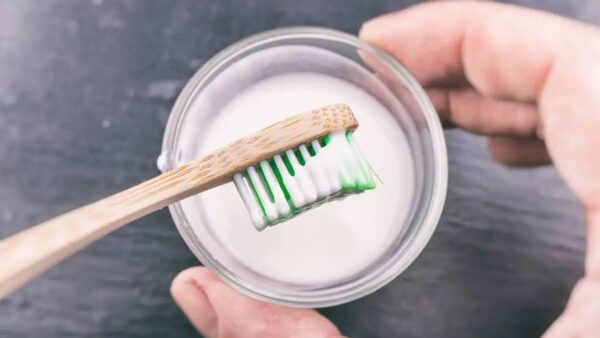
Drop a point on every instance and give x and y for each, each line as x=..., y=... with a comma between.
x=528, y=80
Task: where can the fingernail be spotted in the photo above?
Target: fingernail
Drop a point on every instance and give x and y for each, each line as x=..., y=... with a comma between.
x=366, y=32
x=371, y=30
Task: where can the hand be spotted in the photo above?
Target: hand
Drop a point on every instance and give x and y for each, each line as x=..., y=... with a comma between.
x=530, y=81
x=218, y=311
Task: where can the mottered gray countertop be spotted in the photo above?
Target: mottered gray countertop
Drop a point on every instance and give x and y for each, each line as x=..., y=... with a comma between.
x=85, y=91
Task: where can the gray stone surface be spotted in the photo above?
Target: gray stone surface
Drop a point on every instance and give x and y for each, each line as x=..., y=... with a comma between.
x=85, y=90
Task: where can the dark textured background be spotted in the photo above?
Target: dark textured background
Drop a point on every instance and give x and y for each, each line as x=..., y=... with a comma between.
x=85, y=91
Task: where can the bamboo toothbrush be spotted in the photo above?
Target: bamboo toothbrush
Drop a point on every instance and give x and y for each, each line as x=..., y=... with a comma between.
x=280, y=171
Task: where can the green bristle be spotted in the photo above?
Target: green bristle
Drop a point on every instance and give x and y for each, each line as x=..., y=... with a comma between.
x=286, y=193
x=299, y=157
x=265, y=183
x=311, y=150
x=288, y=164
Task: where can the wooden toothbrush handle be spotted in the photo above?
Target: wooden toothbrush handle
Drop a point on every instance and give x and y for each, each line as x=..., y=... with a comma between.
x=27, y=254
x=30, y=252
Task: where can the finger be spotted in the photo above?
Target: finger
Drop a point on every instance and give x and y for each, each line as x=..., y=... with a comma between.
x=519, y=152
x=467, y=109
x=592, y=255
x=187, y=291
x=504, y=51
x=580, y=318
x=562, y=328
x=240, y=316
x=585, y=291
x=570, y=116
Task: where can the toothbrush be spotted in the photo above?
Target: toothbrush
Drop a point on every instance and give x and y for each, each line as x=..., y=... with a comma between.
x=280, y=171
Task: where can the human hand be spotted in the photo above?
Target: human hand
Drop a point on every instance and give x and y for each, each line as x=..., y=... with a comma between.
x=219, y=311
x=528, y=80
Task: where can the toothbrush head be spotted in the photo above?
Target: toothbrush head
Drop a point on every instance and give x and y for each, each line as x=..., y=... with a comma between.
x=306, y=176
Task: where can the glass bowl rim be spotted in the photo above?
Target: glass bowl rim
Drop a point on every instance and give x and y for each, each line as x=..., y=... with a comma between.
x=440, y=161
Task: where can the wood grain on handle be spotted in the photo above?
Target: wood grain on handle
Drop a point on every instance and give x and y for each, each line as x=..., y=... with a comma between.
x=28, y=253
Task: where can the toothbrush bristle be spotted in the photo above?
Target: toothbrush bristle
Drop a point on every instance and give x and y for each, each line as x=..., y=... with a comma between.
x=302, y=178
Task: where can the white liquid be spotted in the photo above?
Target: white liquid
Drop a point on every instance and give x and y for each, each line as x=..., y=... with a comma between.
x=338, y=239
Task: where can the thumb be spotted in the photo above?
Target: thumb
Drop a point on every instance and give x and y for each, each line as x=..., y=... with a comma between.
x=216, y=310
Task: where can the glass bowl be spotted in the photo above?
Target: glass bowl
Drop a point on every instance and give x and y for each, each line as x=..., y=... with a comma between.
x=336, y=54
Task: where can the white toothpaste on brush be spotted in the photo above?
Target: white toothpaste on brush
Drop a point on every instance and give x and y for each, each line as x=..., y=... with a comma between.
x=299, y=179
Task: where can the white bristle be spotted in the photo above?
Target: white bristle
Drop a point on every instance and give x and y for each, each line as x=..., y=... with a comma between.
x=319, y=174
x=270, y=209
x=282, y=208
x=298, y=198
x=250, y=202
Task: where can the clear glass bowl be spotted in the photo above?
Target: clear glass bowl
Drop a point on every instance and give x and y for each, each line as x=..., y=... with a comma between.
x=213, y=86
